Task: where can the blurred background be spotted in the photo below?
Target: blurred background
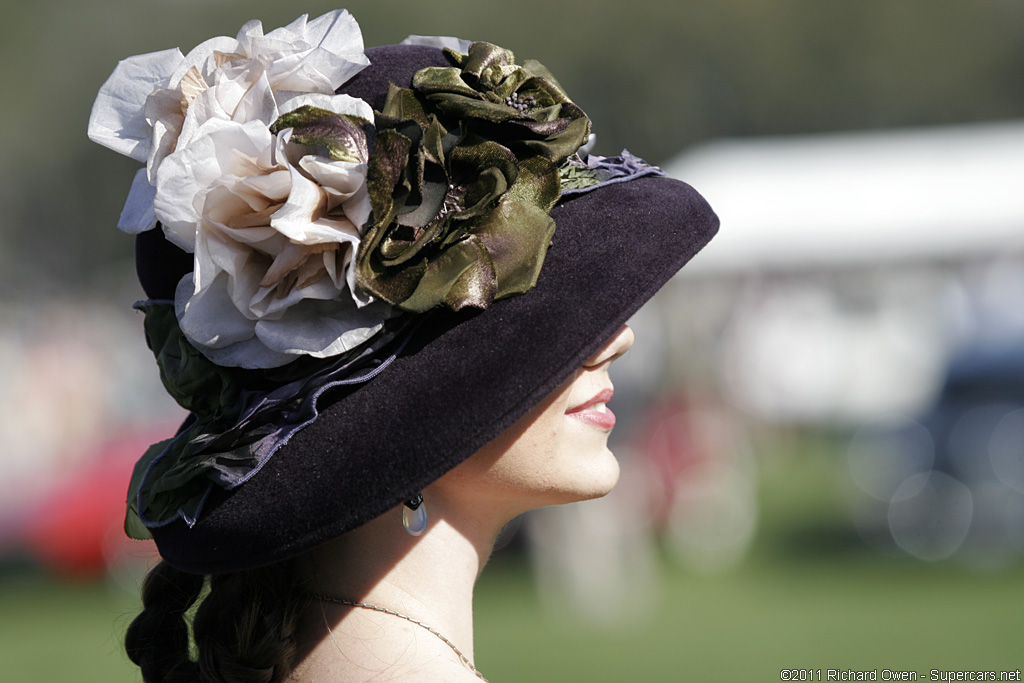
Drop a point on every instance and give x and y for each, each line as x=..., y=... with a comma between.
x=821, y=425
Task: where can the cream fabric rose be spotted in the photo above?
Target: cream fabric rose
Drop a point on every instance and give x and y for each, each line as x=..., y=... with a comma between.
x=274, y=226
x=156, y=103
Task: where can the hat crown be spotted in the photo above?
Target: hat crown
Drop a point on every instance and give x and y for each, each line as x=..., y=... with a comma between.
x=391, y=64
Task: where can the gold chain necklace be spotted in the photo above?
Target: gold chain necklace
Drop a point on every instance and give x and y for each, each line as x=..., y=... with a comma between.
x=427, y=627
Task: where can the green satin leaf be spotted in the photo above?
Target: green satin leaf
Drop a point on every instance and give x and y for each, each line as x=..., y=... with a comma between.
x=450, y=274
x=537, y=184
x=442, y=79
x=517, y=237
x=576, y=176
x=402, y=103
x=484, y=59
x=133, y=526
x=437, y=142
x=197, y=384
x=558, y=147
x=477, y=286
x=384, y=182
x=486, y=170
x=342, y=136
x=178, y=481
x=432, y=195
x=534, y=67
x=473, y=107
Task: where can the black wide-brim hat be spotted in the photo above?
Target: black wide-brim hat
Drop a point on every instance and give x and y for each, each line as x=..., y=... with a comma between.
x=461, y=380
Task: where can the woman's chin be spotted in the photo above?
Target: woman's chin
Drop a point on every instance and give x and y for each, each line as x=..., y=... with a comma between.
x=595, y=480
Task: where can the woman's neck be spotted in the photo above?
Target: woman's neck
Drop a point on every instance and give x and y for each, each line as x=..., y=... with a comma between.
x=429, y=578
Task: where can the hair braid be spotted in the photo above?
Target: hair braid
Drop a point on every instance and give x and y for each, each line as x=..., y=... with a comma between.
x=157, y=639
x=245, y=628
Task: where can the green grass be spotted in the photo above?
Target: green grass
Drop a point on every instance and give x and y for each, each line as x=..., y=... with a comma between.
x=809, y=596
x=870, y=614
x=53, y=631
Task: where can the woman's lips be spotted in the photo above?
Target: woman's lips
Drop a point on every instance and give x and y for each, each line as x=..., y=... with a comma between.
x=595, y=411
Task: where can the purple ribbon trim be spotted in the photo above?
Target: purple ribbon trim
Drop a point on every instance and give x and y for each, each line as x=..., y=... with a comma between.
x=274, y=417
x=612, y=170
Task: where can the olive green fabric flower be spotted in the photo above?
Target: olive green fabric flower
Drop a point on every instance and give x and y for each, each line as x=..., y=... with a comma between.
x=462, y=177
x=522, y=107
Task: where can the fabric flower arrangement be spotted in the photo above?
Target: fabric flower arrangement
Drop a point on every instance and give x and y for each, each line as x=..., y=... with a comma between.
x=314, y=219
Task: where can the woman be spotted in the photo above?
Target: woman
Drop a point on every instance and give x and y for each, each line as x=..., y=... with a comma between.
x=388, y=286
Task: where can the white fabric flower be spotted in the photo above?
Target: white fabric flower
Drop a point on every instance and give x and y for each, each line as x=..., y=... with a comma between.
x=156, y=103
x=274, y=226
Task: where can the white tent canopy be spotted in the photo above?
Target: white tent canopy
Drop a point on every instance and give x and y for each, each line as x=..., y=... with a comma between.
x=860, y=197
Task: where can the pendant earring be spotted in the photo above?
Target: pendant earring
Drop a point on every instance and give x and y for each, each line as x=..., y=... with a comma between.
x=414, y=515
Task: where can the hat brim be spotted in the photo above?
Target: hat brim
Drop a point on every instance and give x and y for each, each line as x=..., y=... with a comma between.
x=462, y=380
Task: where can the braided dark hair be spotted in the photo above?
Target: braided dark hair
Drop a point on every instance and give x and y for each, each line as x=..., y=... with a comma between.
x=242, y=632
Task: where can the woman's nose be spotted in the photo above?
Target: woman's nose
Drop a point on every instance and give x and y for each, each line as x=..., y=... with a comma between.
x=620, y=342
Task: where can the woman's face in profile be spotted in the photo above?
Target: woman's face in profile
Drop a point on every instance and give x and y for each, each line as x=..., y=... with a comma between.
x=556, y=453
